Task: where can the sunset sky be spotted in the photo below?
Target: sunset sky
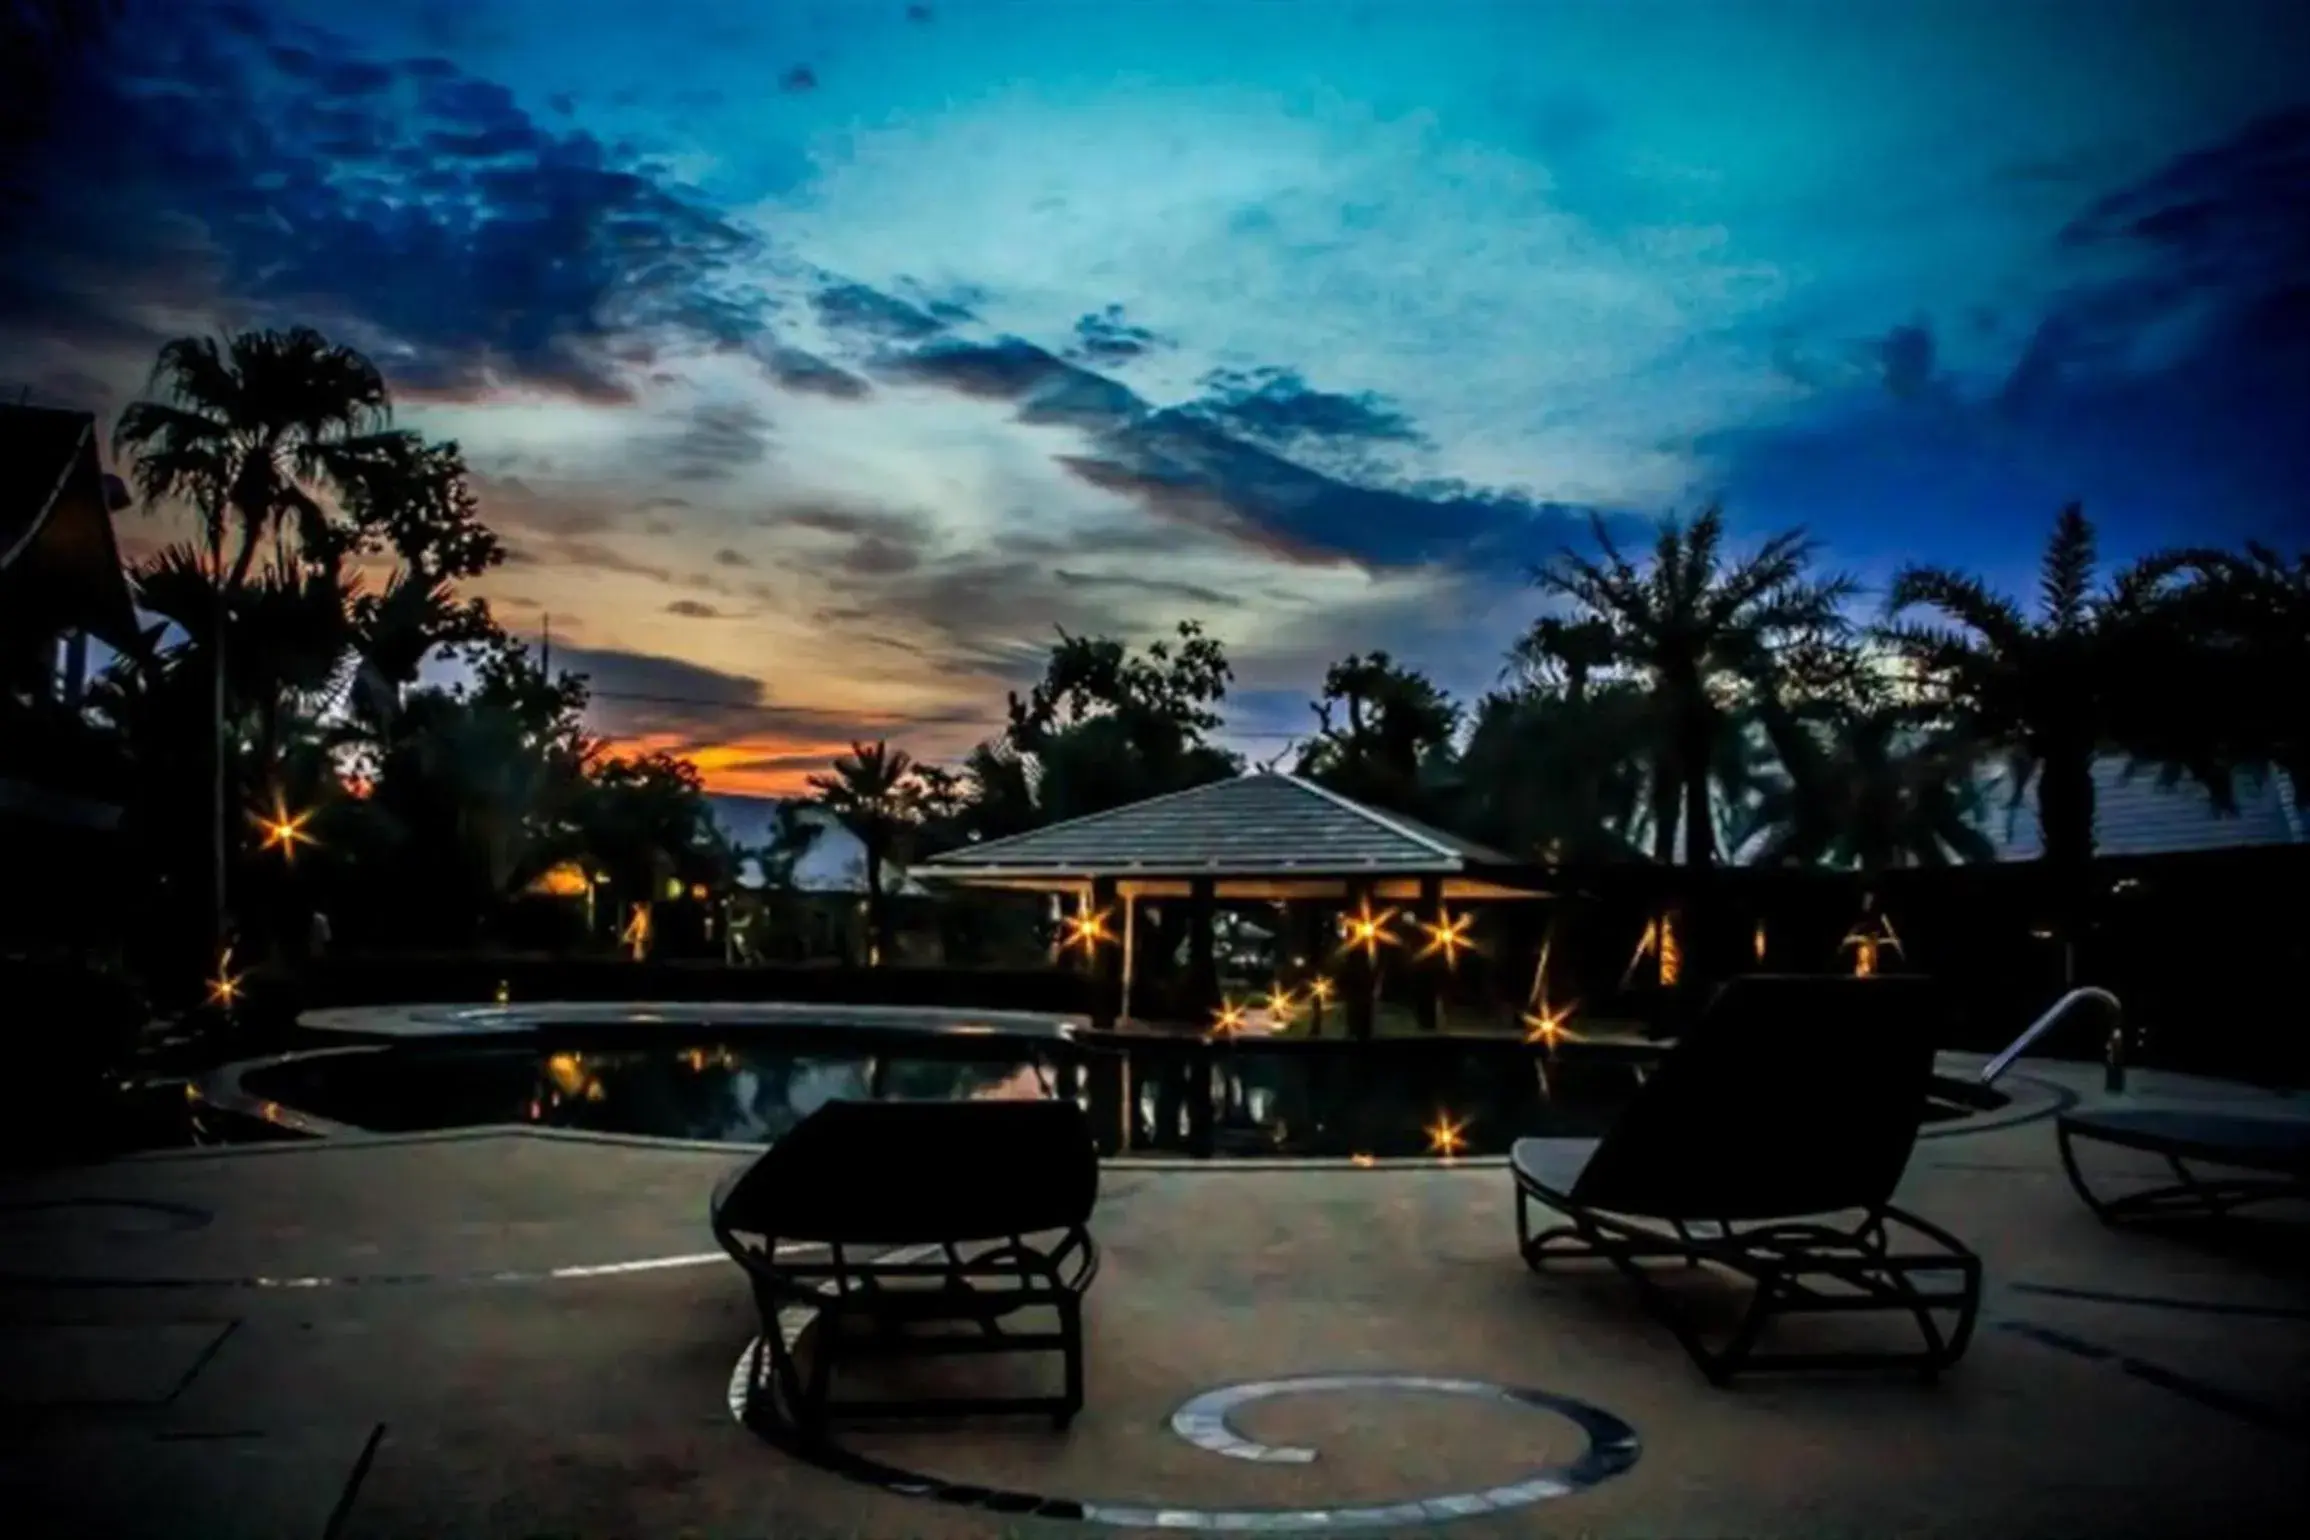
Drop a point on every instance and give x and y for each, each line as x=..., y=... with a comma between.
x=817, y=360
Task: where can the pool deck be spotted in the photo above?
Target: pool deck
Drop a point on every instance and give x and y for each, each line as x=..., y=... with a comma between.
x=435, y=1336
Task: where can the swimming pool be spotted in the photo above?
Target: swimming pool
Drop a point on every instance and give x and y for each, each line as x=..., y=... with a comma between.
x=745, y=1075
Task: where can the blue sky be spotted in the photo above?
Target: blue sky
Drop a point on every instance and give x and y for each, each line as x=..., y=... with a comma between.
x=827, y=356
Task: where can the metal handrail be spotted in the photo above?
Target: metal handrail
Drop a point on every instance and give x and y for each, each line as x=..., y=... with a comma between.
x=2056, y=1013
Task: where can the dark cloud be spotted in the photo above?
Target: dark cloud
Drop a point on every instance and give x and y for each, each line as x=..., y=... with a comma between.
x=406, y=205
x=613, y=673
x=1277, y=408
x=1105, y=337
x=717, y=440
x=1199, y=466
x=855, y=307
x=1905, y=354
x=799, y=79
x=726, y=557
x=796, y=370
x=873, y=556
x=693, y=609
x=920, y=15
x=1162, y=588
x=2174, y=376
x=877, y=542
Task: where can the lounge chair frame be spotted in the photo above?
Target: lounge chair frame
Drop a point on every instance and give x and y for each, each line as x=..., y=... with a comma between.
x=1768, y=1143
x=1795, y=1267
x=836, y=1285
x=2189, y=1196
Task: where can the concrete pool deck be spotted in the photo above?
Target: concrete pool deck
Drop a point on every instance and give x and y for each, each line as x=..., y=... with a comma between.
x=450, y=1335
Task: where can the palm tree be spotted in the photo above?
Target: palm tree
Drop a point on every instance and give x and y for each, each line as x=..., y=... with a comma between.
x=251, y=432
x=2251, y=612
x=1699, y=634
x=2096, y=669
x=873, y=792
x=1892, y=785
x=1557, y=775
x=254, y=432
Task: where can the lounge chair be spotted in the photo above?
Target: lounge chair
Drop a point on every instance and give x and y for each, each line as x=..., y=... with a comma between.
x=903, y=1218
x=1768, y=1142
x=2275, y=1149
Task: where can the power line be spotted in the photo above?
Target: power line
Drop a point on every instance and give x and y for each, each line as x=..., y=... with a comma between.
x=836, y=714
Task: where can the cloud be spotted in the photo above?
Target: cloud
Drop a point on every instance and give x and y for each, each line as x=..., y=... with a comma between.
x=1105, y=337
x=1277, y=408
x=1906, y=355
x=726, y=557
x=407, y=206
x=799, y=79
x=1190, y=465
x=854, y=307
x=1161, y=588
x=693, y=609
x=719, y=440
x=2169, y=373
x=795, y=370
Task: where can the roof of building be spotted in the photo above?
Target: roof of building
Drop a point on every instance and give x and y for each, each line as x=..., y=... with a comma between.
x=2134, y=815
x=57, y=551
x=1261, y=825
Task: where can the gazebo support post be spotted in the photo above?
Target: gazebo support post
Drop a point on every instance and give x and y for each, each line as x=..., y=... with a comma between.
x=1359, y=979
x=1427, y=982
x=1105, y=960
x=1130, y=949
x=1202, y=970
x=1203, y=999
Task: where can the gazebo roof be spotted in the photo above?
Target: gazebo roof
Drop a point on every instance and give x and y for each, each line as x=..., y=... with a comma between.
x=1254, y=836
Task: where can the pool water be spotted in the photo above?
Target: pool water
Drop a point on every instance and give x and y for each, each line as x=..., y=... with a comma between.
x=1387, y=1099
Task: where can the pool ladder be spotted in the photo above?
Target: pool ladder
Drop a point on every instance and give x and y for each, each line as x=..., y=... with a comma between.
x=2113, y=1046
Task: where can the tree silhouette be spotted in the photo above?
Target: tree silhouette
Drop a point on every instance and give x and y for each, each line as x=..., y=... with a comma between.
x=874, y=792
x=2095, y=669
x=1696, y=632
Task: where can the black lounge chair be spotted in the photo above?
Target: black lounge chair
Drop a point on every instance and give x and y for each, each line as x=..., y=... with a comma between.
x=903, y=1218
x=1779, y=1126
x=2275, y=1149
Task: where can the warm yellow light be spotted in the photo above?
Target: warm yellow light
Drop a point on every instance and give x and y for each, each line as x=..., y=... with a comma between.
x=1320, y=990
x=1281, y=1003
x=1545, y=1024
x=1658, y=942
x=568, y=880
x=636, y=935
x=673, y=887
x=225, y=988
x=1868, y=940
x=283, y=830
x=1363, y=1160
x=1448, y=935
x=1228, y=1019
x=1367, y=931
x=1446, y=1136
x=698, y=892
x=1760, y=941
x=568, y=1072
x=1086, y=928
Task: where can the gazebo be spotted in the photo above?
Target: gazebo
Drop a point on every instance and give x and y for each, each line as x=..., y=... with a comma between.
x=1264, y=837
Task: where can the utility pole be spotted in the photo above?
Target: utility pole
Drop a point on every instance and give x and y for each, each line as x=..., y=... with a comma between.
x=545, y=647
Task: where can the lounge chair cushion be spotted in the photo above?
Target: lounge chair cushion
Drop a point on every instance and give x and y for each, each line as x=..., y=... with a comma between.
x=2224, y=1138
x=895, y=1173
x=1553, y=1165
x=1792, y=1095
